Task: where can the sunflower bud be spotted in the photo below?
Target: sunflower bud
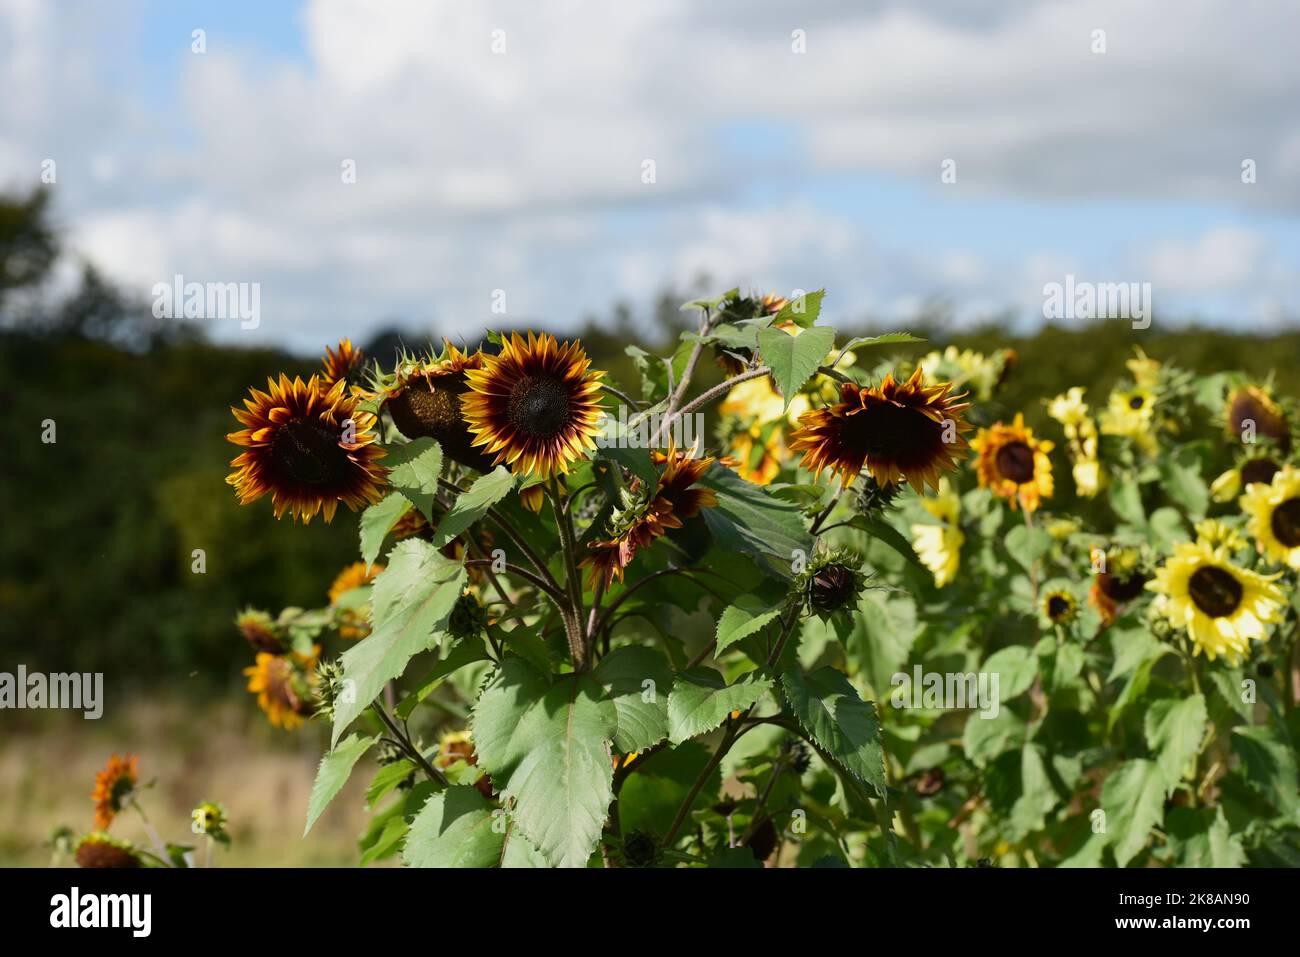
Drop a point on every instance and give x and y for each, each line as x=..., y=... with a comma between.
x=832, y=587
x=468, y=619
x=640, y=850
x=796, y=755
x=261, y=632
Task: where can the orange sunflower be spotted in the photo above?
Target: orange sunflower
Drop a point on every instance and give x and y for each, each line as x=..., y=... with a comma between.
x=535, y=406
x=340, y=365
x=675, y=498
x=897, y=431
x=309, y=446
x=425, y=396
x=283, y=685
x=100, y=851
x=113, y=786
x=1014, y=465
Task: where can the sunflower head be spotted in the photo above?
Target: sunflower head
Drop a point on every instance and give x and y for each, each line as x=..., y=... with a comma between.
x=1058, y=606
x=100, y=850
x=425, y=398
x=1012, y=464
x=285, y=687
x=113, y=787
x=1250, y=410
x=341, y=365
x=308, y=446
x=831, y=584
x=1273, y=516
x=535, y=406
x=261, y=631
x=1223, y=607
x=209, y=818
x=896, y=431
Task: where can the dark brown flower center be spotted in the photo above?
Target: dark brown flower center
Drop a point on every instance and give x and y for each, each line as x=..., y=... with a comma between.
x=1258, y=470
x=1015, y=461
x=832, y=587
x=308, y=451
x=1136, y=402
x=1286, y=522
x=1250, y=405
x=1057, y=607
x=889, y=431
x=1215, y=591
x=1121, y=589
x=540, y=406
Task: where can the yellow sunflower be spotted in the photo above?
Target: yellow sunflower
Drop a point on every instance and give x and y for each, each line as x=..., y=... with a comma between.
x=309, y=447
x=1071, y=411
x=338, y=366
x=897, y=431
x=1012, y=464
x=113, y=786
x=426, y=398
x=283, y=685
x=1131, y=414
x=535, y=406
x=1223, y=607
x=648, y=517
x=1257, y=469
x=939, y=546
x=1273, y=512
x=1058, y=606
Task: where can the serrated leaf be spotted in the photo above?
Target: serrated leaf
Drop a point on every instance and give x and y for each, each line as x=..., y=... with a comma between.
x=886, y=339
x=1201, y=837
x=1174, y=729
x=1133, y=798
x=642, y=709
x=459, y=655
x=412, y=599
x=413, y=471
x=334, y=771
x=1269, y=763
x=748, y=519
x=794, y=359
x=1037, y=796
x=454, y=829
x=546, y=744
x=846, y=727
x=745, y=616
x=701, y=699
x=885, y=533
x=985, y=738
x=802, y=310
x=635, y=458
x=377, y=521
x=1016, y=668
x=472, y=504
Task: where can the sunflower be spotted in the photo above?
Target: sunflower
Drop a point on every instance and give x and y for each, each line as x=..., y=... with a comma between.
x=113, y=786
x=1071, y=411
x=1058, y=606
x=425, y=398
x=1219, y=534
x=649, y=516
x=1146, y=371
x=939, y=546
x=1255, y=469
x=457, y=746
x=338, y=366
x=897, y=431
x=1131, y=414
x=260, y=631
x=310, y=447
x=1273, y=512
x=1120, y=580
x=283, y=685
x=535, y=406
x=1251, y=410
x=98, y=850
x=1013, y=464
x=1223, y=607
x=757, y=454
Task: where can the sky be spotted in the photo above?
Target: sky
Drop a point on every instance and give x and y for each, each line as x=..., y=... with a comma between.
x=551, y=158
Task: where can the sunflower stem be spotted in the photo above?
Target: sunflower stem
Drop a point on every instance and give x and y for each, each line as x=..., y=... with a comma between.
x=573, y=585
x=719, y=390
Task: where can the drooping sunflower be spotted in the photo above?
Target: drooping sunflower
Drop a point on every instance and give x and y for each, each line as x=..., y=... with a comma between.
x=1012, y=464
x=310, y=447
x=534, y=406
x=1252, y=410
x=648, y=516
x=906, y=431
x=340, y=366
x=939, y=546
x=98, y=850
x=1222, y=606
x=283, y=685
x=425, y=398
x=1273, y=512
x=261, y=631
x=113, y=786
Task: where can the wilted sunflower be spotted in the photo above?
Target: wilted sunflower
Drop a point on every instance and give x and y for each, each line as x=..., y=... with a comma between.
x=283, y=685
x=339, y=366
x=99, y=850
x=1273, y=512
x=113, y=786
x=425, y=398
x=310, y=447
x=535, y=406
x=939, y=546
x=646, y=517
x=1223, y=607
x=1012, y=464
x=260, y=631
x=897, y=431
x=1251, y=410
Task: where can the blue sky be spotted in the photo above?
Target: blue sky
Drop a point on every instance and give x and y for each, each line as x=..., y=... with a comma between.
x=519, y=169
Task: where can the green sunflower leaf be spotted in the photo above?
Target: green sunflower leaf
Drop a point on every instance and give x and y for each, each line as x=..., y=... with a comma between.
x=335, y=769
x=745, y=616
x=413, y=470
x=412, y=599
x=638, y=681
x=1174, y=729
x=748, y=519
x=828, y=707
x=701, y=699
x=472, y=504
x=378, y=520
x=455, y=828
x=794, y=359
x=1133, y=799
